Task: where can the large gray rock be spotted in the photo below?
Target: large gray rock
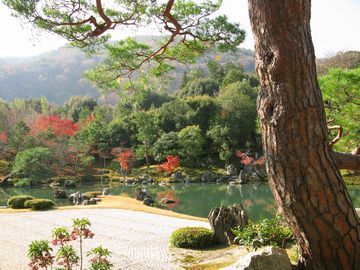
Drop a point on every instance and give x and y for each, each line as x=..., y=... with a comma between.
x=231, y=170
x=224, y=219
x=267, y=258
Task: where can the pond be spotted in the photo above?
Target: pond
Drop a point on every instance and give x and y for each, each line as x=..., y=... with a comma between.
x=192, y=199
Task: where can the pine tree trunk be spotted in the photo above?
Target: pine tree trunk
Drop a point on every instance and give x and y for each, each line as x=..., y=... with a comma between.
x=303, y=175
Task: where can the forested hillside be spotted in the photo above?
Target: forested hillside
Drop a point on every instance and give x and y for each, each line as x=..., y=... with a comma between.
x=59, y=74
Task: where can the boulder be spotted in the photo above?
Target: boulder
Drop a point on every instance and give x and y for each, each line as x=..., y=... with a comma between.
x=60, y=193
x=176, y=177
x=148, y=201
x=358, y=211
x=76, y=198
x=92, y=201
x=167, y=201
x=140, y=194
x=231, y=170
x=267, y=258
x=105, y=191
x=224, y=219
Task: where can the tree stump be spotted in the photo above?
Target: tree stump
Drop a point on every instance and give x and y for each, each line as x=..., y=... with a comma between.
x=224, y=219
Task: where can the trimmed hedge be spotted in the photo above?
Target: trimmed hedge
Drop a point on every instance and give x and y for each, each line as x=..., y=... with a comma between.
x=39, y=204
x=192, y=237
x=18, y=202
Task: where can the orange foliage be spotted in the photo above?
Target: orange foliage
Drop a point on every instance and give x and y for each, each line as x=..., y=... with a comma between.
x=60, y=127
x=125, y=158
x=170, y=165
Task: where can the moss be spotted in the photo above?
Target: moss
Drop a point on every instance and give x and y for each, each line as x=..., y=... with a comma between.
x=192, y=237
x=19, y=201
x=39, y=204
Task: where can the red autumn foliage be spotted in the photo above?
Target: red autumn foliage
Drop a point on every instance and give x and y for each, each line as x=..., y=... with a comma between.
x=125, y=159
x=170, y=165
x=3, y=137
x=60, y=127
x=246, y=160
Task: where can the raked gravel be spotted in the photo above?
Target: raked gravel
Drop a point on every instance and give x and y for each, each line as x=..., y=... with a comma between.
x=137, y=240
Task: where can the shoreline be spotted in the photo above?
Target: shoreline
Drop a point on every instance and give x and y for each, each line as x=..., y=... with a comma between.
x=113, y=202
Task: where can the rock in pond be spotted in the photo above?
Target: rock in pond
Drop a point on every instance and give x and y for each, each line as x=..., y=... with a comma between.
x=267, y=258
x=60, y=193
x=105, y=191
x=167, y=201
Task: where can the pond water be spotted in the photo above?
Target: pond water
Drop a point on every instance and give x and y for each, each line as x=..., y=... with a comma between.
x=192, y=199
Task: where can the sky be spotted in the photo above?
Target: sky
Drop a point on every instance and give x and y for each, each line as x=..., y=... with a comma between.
x=335, y=27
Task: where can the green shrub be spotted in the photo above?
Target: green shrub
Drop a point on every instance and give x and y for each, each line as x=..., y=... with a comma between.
x=192, y=237
x=18, y=202
x=273, y=232
x=39, y=204
x=91, y=194
x=24, y=182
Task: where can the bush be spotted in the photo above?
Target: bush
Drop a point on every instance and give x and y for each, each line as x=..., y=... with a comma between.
x=39, y=204
x=192, y=237
x=18, y=202
x=24, y=182
x=273, y=232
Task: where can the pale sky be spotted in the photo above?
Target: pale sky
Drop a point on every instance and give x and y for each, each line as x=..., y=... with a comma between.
x=335, y=27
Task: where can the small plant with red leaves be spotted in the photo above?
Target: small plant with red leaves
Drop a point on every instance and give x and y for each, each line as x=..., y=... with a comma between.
x=66, y=257
x=168, y=167
x=40, y=255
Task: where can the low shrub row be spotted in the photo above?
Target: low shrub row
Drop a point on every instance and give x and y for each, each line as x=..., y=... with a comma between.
x=25, y=201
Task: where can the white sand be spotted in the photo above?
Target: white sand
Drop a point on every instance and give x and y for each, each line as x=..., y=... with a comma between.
x=137, y=240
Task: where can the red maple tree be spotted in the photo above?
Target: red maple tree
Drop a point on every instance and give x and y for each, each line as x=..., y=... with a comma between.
x=60, y=127
x=170, y=165
x=125, y=159
x=3, y=137
x=246, y=160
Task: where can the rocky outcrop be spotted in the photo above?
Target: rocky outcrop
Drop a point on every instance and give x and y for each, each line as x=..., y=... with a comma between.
x=268, y=258
x=76, y=198
x=224, y=219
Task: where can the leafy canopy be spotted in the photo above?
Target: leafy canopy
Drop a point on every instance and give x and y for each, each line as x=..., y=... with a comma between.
x=189, y=28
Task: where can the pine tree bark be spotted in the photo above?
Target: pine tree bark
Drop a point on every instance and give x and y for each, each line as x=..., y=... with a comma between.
x=303, y=174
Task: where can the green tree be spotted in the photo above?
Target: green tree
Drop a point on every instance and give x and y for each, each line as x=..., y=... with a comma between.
x=166, y=145
x=76, y=104
x=147, y=130
x=19, y=138
x=340, y=88
x=191, y=142
x=238, y=113
x=33, y=163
